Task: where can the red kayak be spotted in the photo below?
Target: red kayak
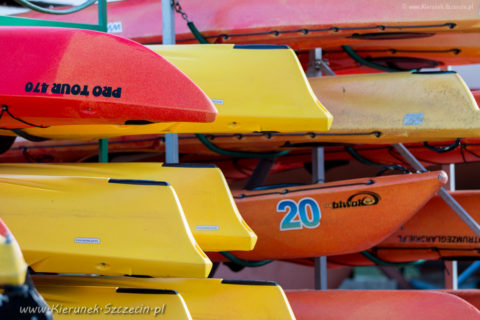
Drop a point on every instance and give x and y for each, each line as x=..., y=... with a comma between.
x=472, y=296
x=59, y=76
x=435, y=232
x=404, y=34
x=379, y=304
x=284, y=21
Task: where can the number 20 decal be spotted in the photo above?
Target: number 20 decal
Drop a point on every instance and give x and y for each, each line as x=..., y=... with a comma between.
x=304, y=214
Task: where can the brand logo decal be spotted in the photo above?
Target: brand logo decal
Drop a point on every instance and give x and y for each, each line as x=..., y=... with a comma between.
x=75, y=89
x=360, y=199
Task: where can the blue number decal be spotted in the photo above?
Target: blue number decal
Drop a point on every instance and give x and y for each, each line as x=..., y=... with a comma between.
x=305, y=214
x=314, y=210
x=289, y=222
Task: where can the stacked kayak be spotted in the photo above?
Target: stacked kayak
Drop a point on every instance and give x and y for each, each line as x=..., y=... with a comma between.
x=168, y=297
x=367, y=109
x=199, y=192
x=407, y=35
x=143, y=240
x=325, y=219
x=245, y=103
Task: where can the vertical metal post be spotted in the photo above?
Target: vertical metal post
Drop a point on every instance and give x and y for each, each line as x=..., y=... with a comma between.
x=168, y=36
x=318, y=170
x=318, y=176
x=451, y=267
x=103, y=150
x=313, y=63
x=318, y=165
x=102, y=21
x=102, y=14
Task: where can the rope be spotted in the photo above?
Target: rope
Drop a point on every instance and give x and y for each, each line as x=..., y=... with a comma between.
x=360, y=158
x=352, y=54
x=32, y=6
x=5, y=110
x=244, y=263
x=445, y=149
x=239, y=154
x=392, y=167
x=198, y=36
x=368, y=162
x=385, y=263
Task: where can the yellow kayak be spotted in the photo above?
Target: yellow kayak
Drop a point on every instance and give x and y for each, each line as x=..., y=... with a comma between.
x=100, y=226
x=398, y=107
x=381, y=108
x=205, y=298
x=202, y=190
x=255, y=89
x=12, y=266
x=112, y=301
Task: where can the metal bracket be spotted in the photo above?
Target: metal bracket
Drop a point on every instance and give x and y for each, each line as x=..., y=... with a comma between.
x=103, y=150
x=260, y=173
x=316, y=67
x=449, y=200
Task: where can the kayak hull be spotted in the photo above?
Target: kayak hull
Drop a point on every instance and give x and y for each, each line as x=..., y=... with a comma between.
x=307, y=221
x=435, y=232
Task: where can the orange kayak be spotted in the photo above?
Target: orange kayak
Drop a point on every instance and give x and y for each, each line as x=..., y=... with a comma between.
x=150, y=146
x=435, y=232
x=379, y=304
x=437, y=50
x=332, y=218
